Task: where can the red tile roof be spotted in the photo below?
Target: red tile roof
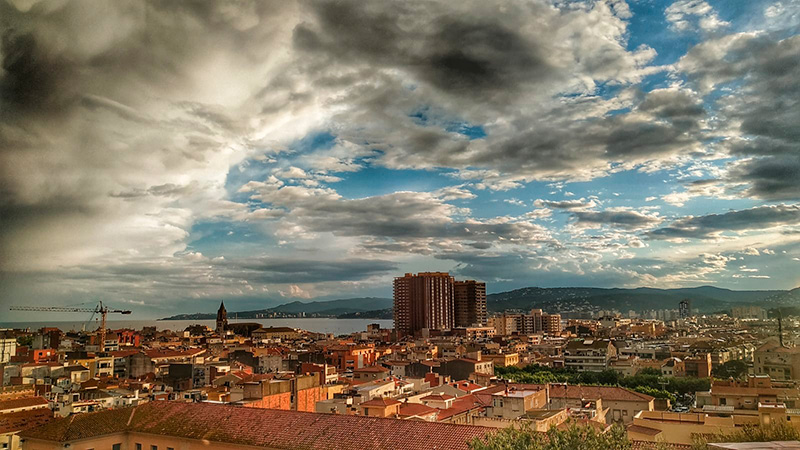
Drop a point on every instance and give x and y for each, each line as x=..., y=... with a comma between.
x=22, y=420
x=416, y=409
x=460, y=405
x=26, y=402
x=438, y=397
x=575, y=391
x=383, y=401
x=270, y=428
x=371, y=369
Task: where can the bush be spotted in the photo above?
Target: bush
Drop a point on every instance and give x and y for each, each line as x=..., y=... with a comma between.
x=751, y=433
x=576, y=437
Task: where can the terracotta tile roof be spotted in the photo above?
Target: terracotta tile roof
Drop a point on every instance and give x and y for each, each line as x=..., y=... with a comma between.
x=158, y=353
x=460, y=405
x=22, y=420
x=439, y=397
x=416, y=409
x=643, y=430
x=466, y=386
x=270, y=428
x=81, y=426
x=25, y=402
x=371, y=369
x=607, y=393
x=383, y=401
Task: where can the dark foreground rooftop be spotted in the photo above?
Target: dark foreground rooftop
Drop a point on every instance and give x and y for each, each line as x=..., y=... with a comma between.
x=261, y=428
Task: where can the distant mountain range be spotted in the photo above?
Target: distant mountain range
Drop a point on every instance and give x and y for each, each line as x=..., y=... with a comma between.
x=704, y=299
x=329, y=308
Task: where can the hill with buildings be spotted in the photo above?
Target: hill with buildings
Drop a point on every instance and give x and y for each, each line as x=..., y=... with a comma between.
x=587, y=300
x=704, y=299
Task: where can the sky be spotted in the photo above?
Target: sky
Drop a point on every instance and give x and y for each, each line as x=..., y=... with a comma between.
x=163, y=156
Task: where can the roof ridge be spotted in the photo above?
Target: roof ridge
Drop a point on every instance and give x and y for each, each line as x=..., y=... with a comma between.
x=66, y=430
x=130, y=419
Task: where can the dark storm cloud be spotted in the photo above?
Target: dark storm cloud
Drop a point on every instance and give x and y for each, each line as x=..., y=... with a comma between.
x=775, y=178
x=479, y=56
x=710, y=226
x=289, y=270
x=627, y=220
x=398, y=217
x=565, y=204
x=670, y=104
x=766, y=106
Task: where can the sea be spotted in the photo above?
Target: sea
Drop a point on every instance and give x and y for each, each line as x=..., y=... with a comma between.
x=318, y=325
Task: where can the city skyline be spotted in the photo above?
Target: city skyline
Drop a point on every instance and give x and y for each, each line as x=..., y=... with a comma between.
x=166, y=156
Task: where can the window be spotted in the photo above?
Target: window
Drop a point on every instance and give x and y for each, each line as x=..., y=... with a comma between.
x=116, y=447
x=153, y=447
x=138, y=446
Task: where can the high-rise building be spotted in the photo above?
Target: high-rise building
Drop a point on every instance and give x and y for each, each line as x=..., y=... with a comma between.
x=222, y=318
x=423, y=301
x=551, y=323
x=684, y=309
x=469, y=301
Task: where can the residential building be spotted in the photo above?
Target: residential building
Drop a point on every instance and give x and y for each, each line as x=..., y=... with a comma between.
x=593, y=355
x=469, y=301
x=777, y=361
x=512, y=403
x=423, y=301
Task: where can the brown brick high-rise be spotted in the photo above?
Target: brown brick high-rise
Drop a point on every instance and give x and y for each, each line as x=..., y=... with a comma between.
x=424, y=300
x=470, y=303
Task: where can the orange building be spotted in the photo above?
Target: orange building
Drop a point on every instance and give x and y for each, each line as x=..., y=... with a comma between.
x=381, y=407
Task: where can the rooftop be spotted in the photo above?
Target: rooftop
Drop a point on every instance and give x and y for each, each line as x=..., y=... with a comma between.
x=275, y=429
x=26, y=402
x=22, y=420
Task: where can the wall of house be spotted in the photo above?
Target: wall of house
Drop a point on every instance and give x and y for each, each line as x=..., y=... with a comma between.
x=275, y=401
x=308, y=398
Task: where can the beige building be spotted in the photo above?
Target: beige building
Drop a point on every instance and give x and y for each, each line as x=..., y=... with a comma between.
x=680, y=428
x=512, y=403
x=502, y=359
x=590, y=355
x=780, y=363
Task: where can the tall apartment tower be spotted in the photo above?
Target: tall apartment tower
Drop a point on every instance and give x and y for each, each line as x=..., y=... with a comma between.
x=469, y=300
x=551, y=323
x=685, y=308
x=424, y=300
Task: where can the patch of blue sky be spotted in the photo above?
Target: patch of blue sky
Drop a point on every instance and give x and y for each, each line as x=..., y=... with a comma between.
x=649, y=26
x=227, y=239
x=372, y=181
x=255, y=169
x=740, y=14
x=466, y=129
x=426, y=116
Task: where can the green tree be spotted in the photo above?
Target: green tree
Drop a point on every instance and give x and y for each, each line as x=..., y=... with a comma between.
x=750, y=433
x=731, y=369
x=576, y=437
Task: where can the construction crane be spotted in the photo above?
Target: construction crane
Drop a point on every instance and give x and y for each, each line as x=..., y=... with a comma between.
x=101, y=309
